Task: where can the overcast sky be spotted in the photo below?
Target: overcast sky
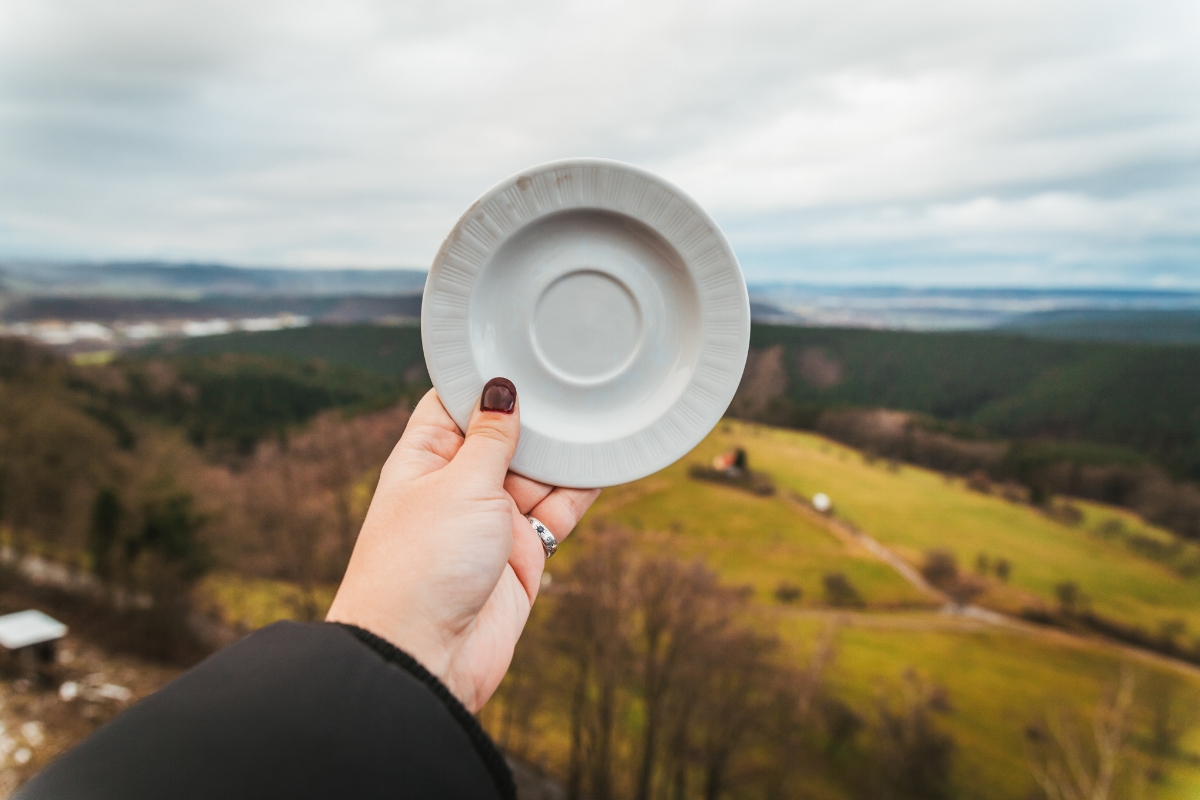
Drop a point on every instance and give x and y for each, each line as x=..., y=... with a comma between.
x=1013, y=142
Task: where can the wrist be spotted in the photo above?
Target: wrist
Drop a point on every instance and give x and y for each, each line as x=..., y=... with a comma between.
x=424, y=647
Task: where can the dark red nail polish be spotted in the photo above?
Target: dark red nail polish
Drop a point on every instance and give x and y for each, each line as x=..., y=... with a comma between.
x=500, y=395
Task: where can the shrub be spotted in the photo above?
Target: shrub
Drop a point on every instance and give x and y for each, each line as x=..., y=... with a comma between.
x=1069, y=597
x=914, y=755
x=1003, y=569
x=787, y=592
x=758, y=483
x=840, y=593
x=1065, y=513
x=978, y=481
x=964, y=589
x=941, y=568
x=841, y=723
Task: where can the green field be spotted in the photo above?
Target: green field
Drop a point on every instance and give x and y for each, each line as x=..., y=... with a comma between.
x=762, y=541
x=751, y=541
x=999, y=680
x=913, y=510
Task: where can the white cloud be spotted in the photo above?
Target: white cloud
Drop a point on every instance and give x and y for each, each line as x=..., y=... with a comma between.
x=1053, y=141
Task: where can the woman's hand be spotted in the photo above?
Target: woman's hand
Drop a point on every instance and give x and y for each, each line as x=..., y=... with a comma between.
x=446, y=566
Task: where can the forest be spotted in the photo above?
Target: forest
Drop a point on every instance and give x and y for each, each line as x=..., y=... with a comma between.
x=151, y=473
x=1119, y=423
x=1135, y=400
x=1100, y=402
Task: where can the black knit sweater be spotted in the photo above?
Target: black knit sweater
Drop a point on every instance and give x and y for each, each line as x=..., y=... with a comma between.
x=293, y=711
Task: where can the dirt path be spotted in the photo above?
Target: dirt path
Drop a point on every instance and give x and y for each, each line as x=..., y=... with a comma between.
x=963, y=618
x=852, y=535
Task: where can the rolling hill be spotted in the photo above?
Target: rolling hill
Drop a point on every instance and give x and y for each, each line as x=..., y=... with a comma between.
x=999, y=678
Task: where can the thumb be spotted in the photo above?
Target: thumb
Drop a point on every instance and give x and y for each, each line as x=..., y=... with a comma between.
x=492, y=433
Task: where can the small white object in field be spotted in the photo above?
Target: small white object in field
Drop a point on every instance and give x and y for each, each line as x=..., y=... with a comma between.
x=22, y=756
x=68, y=691
x=821, y=502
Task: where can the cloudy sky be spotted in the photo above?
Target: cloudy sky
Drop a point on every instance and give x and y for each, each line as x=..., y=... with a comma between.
x=1011, y=142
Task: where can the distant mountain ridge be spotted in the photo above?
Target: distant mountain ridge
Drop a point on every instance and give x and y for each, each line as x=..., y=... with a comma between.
x=329, y=308
x=130, y=291
x=190, y=281
x=950, y=308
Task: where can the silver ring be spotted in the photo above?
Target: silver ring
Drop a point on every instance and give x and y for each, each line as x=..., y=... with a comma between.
x=549, y=543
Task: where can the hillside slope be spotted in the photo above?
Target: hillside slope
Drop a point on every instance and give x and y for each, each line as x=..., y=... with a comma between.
x=998, y=679
x=1142, y=397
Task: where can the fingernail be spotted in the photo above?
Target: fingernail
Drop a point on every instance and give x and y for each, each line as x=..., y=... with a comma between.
x=500, y=395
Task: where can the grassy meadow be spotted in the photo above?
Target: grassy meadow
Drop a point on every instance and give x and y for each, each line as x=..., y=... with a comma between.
x=753, y=541
x=912, y=510
x=998, y=680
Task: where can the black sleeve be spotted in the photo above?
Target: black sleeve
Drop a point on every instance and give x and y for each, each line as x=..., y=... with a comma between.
x=293, y=711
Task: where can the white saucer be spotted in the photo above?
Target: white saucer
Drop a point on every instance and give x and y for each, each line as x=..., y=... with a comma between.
x=609, y=298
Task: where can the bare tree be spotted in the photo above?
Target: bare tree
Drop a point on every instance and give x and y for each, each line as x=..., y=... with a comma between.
x=677, y=606
x=1174, y=711
x=662, y=637
x=679, y=716
x=809, y=683
x=282, y=505
x=304, y=497
x=589, y=628
x=1068, y=764
x=736, y=674
x=522, y=693
x=914, y=754
x=53, y=459
x=345, y=456
x=787, y=719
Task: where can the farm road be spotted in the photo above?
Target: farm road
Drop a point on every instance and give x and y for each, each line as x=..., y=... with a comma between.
x=967, y=619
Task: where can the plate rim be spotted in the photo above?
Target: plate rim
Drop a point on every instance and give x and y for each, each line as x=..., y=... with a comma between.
x=666, y=209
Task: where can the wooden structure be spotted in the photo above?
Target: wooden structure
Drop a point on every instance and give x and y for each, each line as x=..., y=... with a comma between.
x=31, y=636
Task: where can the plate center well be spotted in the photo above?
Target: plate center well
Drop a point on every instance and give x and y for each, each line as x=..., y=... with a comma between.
x=594, y=317
x=586, y=326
